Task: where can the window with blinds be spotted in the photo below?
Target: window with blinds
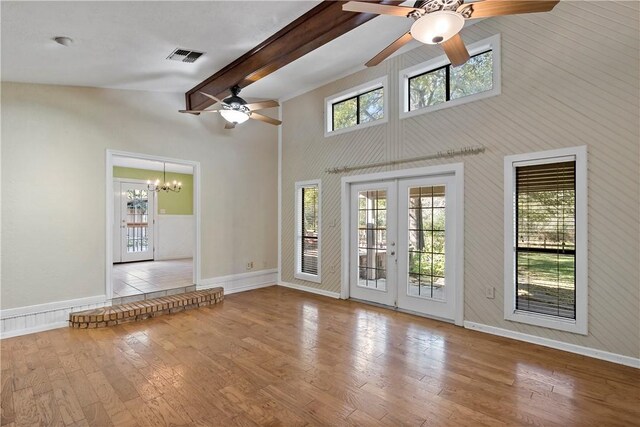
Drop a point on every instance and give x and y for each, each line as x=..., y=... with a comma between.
x=545, y=231
x=308, y=231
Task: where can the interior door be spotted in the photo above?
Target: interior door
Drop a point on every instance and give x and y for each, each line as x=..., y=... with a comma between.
x=136, y=222
x=426, y=281
x=373, y=237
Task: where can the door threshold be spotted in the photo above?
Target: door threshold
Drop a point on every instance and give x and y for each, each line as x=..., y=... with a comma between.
x=133, y=262
x=402, y=310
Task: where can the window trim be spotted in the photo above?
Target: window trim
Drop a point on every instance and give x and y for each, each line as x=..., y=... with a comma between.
x=489, y=44
x=580, y=324
x=298, y=274
x=353, y=93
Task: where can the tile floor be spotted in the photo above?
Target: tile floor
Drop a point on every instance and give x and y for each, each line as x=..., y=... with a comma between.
x=134, y=278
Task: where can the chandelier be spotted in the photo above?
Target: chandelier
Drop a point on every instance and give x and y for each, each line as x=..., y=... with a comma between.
x=164, y=185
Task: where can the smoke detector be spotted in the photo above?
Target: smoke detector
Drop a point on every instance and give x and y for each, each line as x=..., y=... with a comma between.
x=184, y=55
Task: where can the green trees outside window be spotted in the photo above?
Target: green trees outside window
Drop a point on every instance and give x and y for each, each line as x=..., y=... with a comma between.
x=364, y=108
x=447, y=83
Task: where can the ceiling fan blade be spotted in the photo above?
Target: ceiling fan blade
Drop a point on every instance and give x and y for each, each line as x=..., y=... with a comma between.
x=387, y=51
x=211, y=97
x=456, y=50
x=265, y=119
x=380, y=9
x=488, y=8
x=199, y=111
x=229, y=125
x=262, y=104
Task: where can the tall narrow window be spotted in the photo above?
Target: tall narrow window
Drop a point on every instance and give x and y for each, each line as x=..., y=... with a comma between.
x=546, y=273
x=308, y=231
x=546, y=239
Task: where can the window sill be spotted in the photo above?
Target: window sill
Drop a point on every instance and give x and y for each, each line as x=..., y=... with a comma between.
x=546, y=321
x=330, y=133
x=307, y=277
x=453, y=103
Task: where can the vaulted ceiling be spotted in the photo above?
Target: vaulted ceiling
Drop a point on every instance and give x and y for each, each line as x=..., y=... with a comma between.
x=124, y=45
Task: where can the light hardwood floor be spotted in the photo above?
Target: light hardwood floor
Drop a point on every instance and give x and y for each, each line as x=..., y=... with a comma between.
x=275, y=356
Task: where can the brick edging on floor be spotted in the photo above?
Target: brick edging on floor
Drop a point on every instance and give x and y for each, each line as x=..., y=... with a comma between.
x=141, y=310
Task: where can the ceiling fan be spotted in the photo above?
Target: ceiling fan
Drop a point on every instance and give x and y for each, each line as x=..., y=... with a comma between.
x=235, y=110
x=440, y=21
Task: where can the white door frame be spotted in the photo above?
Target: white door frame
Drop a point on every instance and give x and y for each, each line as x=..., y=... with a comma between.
x=455, y=169
x=197, y=277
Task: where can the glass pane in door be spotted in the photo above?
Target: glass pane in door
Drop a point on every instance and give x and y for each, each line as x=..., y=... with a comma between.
x=137, y=221
x=372, y=239
x=426, y=242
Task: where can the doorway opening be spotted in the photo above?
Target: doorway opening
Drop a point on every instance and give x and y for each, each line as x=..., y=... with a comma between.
x=152, y=233
x=402, y=246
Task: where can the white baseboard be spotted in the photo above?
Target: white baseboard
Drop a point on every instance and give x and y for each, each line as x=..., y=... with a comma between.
x=559, y=345
x=329, y=294
x=241, y=282
x=43, y=317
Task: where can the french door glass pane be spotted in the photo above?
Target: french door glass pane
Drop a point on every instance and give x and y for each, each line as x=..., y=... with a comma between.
x=426, y=242
x=372, y=239
x=137, y=221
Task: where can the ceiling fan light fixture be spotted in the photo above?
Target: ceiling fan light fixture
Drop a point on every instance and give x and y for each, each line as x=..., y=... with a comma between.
x=437, y=27
x=234, y=115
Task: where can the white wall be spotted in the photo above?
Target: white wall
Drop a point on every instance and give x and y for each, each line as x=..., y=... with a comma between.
x=54, y=142
x=175, y=237
x=569, y=78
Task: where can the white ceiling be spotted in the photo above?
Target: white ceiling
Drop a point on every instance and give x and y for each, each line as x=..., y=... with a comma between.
x=123, y=45
x=153, y=165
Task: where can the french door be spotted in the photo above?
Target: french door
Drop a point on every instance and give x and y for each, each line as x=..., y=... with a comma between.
x=373, y=240
x=134, y=206
x=402, y=244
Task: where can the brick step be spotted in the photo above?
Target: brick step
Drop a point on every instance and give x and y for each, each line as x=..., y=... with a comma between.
x=141, y=310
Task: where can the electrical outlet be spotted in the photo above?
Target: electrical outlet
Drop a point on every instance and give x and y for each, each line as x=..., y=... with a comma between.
x=332, y=268
x=250, y=265
x=490, y=292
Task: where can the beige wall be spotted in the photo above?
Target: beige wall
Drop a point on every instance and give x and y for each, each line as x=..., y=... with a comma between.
x=54, y=142
x=569, y=78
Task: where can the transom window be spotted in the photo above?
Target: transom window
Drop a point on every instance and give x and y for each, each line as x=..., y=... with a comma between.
x=362, y=106
x=436, y=84
x=446, y=83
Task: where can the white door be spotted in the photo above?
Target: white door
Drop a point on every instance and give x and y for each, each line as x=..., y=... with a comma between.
x=426, y=277
x=135, y=222
x=418, y=273
x=372, y=258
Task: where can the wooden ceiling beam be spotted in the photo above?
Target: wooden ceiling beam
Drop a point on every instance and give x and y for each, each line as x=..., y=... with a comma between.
x=320, y=25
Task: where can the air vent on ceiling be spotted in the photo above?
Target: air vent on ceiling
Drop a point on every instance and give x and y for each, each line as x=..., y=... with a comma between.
x=185, y=55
